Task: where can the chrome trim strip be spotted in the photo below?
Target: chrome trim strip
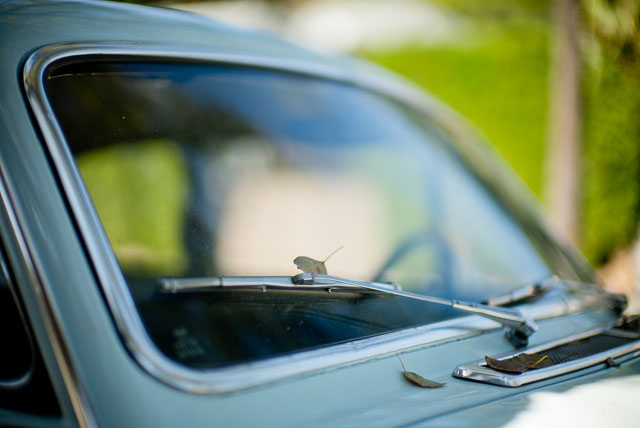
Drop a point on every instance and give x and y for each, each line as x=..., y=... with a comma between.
x=479, y=371
x=623, y=359
x=623, y=333
x=113, y=284
x=75, y=390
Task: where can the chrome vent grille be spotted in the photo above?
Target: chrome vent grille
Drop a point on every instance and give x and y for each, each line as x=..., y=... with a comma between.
x=585, y=348
x=610, y=347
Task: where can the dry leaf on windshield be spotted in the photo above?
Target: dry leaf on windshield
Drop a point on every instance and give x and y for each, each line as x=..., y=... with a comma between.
x=415, y=378
x=309, y=265
x=519, y=363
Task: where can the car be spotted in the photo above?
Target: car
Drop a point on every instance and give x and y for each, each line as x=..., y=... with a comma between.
x=206, y=226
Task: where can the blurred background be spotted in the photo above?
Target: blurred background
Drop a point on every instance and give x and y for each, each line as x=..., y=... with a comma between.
x=552, y=84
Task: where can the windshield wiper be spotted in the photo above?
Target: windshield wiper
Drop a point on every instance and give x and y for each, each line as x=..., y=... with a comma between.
x=520, y=327
x=618, y=302
x=528, y=291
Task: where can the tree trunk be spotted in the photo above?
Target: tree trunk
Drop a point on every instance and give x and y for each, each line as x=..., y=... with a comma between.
x=562, y=178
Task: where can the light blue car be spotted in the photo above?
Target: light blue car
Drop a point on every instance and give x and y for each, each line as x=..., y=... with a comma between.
x=202, y=226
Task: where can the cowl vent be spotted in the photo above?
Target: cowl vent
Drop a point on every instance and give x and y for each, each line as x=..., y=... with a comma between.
x=609, y=347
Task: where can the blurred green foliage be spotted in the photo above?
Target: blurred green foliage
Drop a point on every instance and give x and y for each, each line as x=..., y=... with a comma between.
x=611, y=93
x=499, y=81
x=501, y=11
x=611, y=161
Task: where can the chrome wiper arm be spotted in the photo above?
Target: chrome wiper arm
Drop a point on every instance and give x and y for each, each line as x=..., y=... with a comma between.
x=520, y=327
x=618, y=302
x=181, y=285
x=533, y=289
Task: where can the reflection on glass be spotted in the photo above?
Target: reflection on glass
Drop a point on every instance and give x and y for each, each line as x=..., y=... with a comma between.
x=141, y=190
x=212, y=170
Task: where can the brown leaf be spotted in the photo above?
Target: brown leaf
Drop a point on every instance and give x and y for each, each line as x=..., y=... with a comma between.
x=419, y=380
x=309, y=265
x=519, y=363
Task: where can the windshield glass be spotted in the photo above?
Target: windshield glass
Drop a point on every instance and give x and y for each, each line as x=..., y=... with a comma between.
x=203, y=170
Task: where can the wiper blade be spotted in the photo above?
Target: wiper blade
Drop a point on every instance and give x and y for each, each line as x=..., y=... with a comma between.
x=520, y=327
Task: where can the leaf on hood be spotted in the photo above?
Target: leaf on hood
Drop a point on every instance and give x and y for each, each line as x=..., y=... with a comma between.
x=420, y=381
x=519, y=363
x=309, y=265
x=415, y=378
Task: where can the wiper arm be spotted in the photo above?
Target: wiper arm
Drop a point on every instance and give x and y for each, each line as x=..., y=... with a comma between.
x=618, y=302
x=181, y=285
x=520, y=327
x=533, y=289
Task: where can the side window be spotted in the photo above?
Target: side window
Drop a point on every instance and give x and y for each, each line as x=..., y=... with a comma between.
x=17, y=356
x=24, y=382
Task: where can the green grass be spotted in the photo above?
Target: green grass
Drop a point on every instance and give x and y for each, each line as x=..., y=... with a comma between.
x=498, y=82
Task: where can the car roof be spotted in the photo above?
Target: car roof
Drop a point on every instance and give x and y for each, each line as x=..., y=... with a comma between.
x=49, y=22
x=32, y=24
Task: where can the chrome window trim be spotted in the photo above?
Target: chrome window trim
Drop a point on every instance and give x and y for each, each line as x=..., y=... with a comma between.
x=479, y=371
x=113, y=284
x=51, y=320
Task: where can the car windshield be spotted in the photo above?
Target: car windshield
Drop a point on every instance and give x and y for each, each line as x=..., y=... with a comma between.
x=200, y=170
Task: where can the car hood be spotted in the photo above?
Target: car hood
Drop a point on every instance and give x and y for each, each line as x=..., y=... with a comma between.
x=597, y=400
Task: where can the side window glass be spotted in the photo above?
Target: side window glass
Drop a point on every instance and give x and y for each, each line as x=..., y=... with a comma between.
x=17, y=355
x=24, y=382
